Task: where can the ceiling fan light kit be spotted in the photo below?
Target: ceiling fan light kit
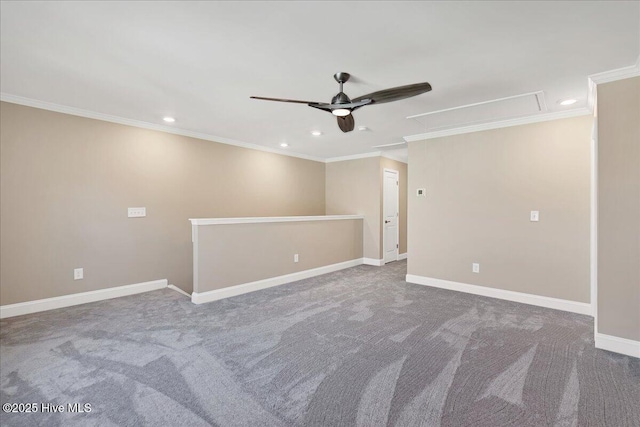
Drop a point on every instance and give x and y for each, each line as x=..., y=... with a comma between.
x=341, y=112
x=342, y=106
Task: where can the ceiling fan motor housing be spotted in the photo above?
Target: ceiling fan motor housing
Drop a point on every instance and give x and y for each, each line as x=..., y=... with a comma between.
x=341, y=98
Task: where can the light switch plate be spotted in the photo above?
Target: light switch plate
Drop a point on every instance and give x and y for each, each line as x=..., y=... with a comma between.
x=421, y=192
x=137, y=212
x=535, y=216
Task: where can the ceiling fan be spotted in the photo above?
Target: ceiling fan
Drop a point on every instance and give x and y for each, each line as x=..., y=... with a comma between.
x=342, y=106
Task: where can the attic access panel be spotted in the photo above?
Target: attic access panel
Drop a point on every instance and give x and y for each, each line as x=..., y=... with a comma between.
x=483, y=112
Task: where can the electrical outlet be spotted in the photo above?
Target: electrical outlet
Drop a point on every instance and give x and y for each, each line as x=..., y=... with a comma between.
x=475, y=267
x=136, y=212
x=421, y=192
x=78, y=273
x=295, y=258
x=535, y=216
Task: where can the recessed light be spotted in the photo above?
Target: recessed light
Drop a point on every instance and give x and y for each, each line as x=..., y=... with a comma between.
x=568, y=102
x=363, y=128
x=316, y=133
x=284, y=144
x=169, y=119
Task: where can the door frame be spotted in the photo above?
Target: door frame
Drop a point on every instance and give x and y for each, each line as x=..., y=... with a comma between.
x=397, y=173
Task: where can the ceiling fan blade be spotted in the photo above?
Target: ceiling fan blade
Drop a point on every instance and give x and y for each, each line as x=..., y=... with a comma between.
x=395, y=93
x=284, y=100
x=346, y=123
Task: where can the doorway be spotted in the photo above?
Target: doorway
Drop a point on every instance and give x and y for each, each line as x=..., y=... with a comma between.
x=390, y=215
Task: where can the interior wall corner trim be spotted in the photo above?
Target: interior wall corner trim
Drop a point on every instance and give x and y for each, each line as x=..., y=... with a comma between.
x=21, y=308
x=537, y=300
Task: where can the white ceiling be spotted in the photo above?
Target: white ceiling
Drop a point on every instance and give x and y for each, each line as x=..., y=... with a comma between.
x=200, y=61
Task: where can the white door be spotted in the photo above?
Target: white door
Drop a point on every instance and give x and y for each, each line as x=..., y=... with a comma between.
x=390, y=205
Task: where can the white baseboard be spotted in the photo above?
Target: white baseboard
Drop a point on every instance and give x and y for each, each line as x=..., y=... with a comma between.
x=541, y=301
x=36, y=306
x=177, y=289
x=231, y=291
x=373, y=261
x=402, y=256
x=618, y=345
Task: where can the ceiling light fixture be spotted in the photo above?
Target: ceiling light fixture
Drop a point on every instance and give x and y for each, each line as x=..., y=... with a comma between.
x=284, y=144
x=169, y=119
x=568, y=102
x=363, y=128
x=316, y=133
x=340, y=112
x=342, y=106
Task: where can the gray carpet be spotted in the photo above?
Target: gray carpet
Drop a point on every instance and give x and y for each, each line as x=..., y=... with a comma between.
x=359, y=347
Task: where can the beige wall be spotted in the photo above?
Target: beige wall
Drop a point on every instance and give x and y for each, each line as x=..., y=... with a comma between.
x=402, y=214
x=66, y=183
x=619, y=208
x=226, y=251
x=480, y=189
x=353, y=187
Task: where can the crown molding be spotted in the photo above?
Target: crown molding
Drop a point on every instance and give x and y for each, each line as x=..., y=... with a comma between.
x=366, y=156
x=29, y=102
x=353, y=157
x=500, y=124
x=617, y=74
x=14, y=99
